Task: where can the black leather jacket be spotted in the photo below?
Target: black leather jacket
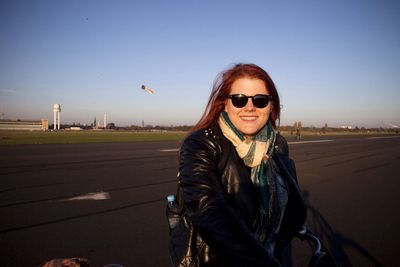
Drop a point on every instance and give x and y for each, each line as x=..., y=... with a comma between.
x=222, y=203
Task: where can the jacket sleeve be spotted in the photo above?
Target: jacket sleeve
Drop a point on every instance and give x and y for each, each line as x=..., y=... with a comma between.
x=204, y=197
x=296, y=208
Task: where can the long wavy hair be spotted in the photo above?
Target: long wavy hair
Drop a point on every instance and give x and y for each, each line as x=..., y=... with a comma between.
x=222, y=87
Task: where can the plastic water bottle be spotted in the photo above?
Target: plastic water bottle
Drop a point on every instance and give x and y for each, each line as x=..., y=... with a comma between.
x=171, y=200
x=172, y=212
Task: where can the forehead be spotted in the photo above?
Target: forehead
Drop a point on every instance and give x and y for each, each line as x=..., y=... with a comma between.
x=248, y=86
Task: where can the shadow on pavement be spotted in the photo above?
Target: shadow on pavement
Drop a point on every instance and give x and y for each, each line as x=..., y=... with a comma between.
x=335, y=241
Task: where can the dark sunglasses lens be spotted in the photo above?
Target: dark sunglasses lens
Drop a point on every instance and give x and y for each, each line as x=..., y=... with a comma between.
x=260, y=101
x=239, y=101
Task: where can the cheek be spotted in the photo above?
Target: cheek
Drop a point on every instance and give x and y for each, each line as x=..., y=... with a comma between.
x=269, y=110
x=270, y=113
x=226, y=106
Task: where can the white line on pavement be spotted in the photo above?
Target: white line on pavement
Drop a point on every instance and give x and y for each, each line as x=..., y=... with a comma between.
x=307, y=142
x=91, y=196
x=381, y=137
x=170, y=150
x=290, y=143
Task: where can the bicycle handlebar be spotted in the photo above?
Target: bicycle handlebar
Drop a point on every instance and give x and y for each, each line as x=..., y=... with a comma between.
x=305, y=234
x=320, y=257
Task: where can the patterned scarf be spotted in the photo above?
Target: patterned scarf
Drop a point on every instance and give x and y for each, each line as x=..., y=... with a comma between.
x=256, y=152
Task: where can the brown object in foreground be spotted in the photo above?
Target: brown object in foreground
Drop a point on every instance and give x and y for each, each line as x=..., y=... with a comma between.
x=70, y=262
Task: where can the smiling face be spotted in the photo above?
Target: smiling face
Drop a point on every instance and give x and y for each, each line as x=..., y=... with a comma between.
x=249, y=119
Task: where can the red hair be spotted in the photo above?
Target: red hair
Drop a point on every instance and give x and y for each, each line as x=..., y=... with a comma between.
x=222, y=87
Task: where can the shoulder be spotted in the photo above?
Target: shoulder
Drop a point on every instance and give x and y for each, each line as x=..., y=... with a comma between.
x=281, y=146
x=203, y=139
x=209, y=133
x=282, y=158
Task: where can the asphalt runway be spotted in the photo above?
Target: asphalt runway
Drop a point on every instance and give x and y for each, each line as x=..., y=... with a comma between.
x=46, y=211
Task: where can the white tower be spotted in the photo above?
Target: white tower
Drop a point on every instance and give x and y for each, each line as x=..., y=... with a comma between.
x=57, y=112
x=105, y=121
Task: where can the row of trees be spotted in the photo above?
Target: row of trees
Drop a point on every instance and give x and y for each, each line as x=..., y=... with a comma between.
x=297, y=129
x=112, y=126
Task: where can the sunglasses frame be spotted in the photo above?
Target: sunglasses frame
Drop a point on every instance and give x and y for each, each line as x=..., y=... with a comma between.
x=268, y=97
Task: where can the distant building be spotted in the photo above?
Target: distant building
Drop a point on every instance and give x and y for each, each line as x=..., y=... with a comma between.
x=42, y=125
x=346, y=127
x=74, y=128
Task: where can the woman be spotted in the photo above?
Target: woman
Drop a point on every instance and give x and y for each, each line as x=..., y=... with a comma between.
x=238, y=192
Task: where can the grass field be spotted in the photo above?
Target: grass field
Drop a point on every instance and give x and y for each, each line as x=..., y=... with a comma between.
x=71, y=137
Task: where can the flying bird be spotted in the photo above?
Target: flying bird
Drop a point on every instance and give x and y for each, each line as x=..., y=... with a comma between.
x=147, y=89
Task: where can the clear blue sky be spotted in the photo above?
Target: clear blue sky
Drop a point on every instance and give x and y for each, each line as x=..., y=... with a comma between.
x=334, y=62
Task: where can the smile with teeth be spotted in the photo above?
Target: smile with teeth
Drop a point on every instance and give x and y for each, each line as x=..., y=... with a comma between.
x=248, y=118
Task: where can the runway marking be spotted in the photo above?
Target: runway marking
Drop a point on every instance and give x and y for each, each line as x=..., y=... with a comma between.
x=307, y=142
x=90, y=196
x=290, y=143
x=170, y=150
x=381, y=137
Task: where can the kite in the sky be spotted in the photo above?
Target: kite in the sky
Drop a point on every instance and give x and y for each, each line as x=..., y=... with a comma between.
x=147, y=89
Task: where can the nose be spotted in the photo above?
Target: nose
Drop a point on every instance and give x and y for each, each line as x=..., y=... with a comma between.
x=250, y=106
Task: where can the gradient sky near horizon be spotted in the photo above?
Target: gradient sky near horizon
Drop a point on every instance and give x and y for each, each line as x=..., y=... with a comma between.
x=334, y=62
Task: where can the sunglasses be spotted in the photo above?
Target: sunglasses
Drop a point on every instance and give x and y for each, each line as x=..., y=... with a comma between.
x=259, y=101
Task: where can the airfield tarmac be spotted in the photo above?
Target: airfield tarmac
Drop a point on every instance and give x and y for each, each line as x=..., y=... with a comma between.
x=47, y=211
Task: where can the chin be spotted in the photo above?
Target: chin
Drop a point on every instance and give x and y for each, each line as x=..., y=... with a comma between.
x=249, y=131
